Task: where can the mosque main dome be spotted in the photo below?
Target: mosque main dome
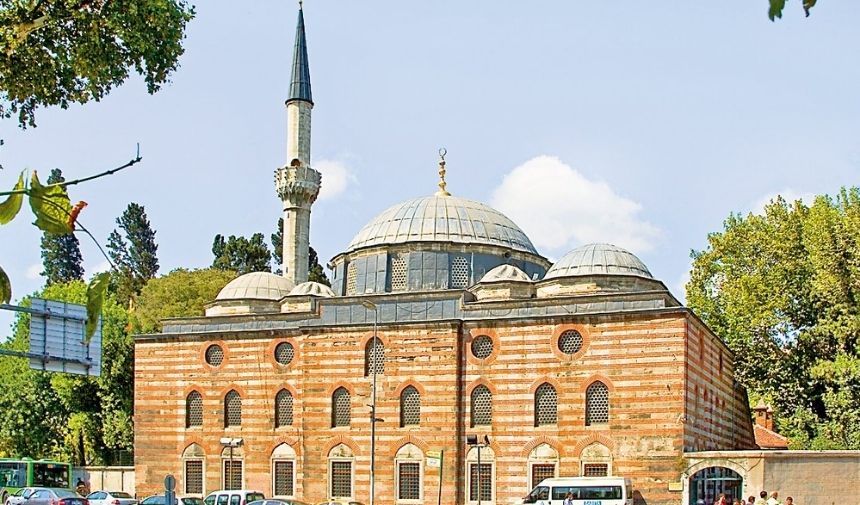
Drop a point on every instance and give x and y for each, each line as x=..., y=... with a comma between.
x=442, y=218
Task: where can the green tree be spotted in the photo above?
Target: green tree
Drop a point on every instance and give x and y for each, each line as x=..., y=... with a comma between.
x=61, y=253
x=74, y=51
x=783, y=289
x=776, y=7
x=181, y=293
x=240, y=254
x=135, y=255
x=315, y=270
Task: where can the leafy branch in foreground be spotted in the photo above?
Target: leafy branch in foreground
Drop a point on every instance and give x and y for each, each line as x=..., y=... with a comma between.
x=55, y=214
x=776, y=7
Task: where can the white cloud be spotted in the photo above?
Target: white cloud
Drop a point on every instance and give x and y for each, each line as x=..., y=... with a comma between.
x=680, y=289
x=336, y=178
x=559, y=208
x=34, y=271
x=788, y=194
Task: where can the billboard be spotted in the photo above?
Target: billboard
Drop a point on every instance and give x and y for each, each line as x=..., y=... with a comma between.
x=57, y=339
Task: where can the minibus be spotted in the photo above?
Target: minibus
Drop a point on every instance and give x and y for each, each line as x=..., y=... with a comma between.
x=585, y=491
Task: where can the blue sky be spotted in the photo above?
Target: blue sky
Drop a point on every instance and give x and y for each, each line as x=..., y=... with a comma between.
x=639, y=123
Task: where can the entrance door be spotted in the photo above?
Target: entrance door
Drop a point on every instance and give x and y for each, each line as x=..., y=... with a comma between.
x=707, y=484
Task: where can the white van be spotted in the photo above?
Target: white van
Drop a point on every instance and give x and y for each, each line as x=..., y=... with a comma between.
x=233, y=497
x=585, y=491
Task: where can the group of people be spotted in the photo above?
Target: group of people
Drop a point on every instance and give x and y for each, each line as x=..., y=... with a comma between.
x=763, y=499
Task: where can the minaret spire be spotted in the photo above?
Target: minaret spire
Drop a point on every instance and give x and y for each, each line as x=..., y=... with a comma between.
x=296, y=182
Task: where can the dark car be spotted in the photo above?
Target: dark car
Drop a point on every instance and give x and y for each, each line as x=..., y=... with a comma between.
x=278, y=501
x=159, y=499
x=54, y=496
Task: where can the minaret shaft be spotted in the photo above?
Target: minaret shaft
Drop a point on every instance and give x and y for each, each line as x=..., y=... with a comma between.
x=297, y=225
x=299, y=132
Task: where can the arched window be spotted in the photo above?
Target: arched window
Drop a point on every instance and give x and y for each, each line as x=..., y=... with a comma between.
x=374, y=357
x=543, y=464
x=341, y=474
x=233, y=468
x=193, y=409
x=283, y=408
x=596, y=461
x=596, y=404
x=482, y=406
x=193, y=458
x=232, y=409
x=283, y=471
x=340, y=408
x=546, y=405
x=410, y=407
x=409, y=472
x=481, y=478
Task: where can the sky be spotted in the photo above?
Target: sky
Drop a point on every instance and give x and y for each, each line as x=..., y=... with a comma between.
x=643, y=124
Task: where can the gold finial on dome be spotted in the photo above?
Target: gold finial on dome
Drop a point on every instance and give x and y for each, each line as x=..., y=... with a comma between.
x=442, y=184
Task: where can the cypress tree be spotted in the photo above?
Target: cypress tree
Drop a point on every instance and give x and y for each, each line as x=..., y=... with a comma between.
x=133, y=250
x=61, y=254
x=315, y=269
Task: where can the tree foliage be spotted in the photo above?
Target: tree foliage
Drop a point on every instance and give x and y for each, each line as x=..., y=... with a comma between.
x=181, y=293
x=240, y=254
x=61, y=253
x=133, y=250
x=73, y=51
x=315, y=269
x=783, y=289
x=777, y=6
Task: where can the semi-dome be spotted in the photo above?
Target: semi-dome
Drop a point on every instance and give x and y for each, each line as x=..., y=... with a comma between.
x=505, y=273
x=598, y=259
x=256, y=286
x=442, y=218
x=311, y=288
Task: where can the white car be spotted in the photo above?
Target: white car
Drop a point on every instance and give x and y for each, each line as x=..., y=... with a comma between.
x=19, y=496
x=111, y=498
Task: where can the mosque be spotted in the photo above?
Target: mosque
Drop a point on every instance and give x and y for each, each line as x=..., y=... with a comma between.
x=448, y=362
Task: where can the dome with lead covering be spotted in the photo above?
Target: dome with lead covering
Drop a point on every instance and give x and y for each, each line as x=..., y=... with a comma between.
x=311, y=288
x=256, y=286
x=598, y=259
x=505, y=273
x=442, y=218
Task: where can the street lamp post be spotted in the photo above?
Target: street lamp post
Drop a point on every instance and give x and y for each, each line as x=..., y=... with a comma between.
x=472, y=440
x=374, y=364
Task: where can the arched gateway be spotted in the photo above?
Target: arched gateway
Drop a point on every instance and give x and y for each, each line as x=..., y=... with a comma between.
x=708, y=483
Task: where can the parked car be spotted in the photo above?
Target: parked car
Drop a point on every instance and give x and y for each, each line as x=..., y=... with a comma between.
x=19, y=496
x=233, y=497
x=111, y=498
x=54, y=496
x=278, y=501
x=159, y=499
x=339, y=502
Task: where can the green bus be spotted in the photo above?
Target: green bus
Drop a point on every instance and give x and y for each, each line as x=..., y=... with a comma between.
x=26, y=472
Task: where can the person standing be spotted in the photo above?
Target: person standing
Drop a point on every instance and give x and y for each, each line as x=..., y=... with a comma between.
x=568, y=499
x=774, y=499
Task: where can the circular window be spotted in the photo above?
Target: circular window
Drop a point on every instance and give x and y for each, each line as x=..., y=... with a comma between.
x=482, y=346
x=214, y=355
x=284, y=353
x=570, y=342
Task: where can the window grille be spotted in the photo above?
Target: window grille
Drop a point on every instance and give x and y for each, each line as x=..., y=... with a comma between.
x=214, y=355
x=233, y=474
x=193, y=476
x=541, y=471
x=546, y=405
x=459, y=272
x=374, y=357
x=284, y=353
x=570, y=342
x=409, y=481
x=482, y=346
x=283, y=485
x=595, y=470
x=340, y=415
x=193, y=409
x=341, y=479
x=283, y=408
x=596, y=404
x=398, y=272
x=232, y=409
x=482, y=406
x=410, y=407
x=486, y=482
x=351, y=279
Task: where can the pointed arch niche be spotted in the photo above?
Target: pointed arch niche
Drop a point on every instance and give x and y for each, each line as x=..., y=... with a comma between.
x=543, y=464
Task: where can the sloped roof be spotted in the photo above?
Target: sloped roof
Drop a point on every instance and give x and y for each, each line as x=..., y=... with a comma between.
x=768, y=439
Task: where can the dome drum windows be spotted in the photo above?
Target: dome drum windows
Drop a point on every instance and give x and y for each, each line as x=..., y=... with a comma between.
x=460, y=272
x=398, y=270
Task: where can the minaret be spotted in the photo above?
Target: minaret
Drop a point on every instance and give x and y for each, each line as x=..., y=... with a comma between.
x=297, y=183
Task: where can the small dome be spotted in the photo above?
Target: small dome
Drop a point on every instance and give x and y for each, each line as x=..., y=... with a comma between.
x=257, y=286
x=505, y=273
x=440, y=218
x=598, y=259
x=311, y=288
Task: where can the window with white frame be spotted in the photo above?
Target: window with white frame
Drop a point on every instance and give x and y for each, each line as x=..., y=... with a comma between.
x=232, y=471
x=409, y=473
x=341, y=468
x=193, y=458
x=543, y=464
x=284, y=471
x=481, y=478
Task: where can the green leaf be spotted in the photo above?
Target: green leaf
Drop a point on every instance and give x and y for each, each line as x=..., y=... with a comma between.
x=775, y=10
x=51, y=206
x=96, y=292
x=5, y=287
x=808, y=4
x=9, y=209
